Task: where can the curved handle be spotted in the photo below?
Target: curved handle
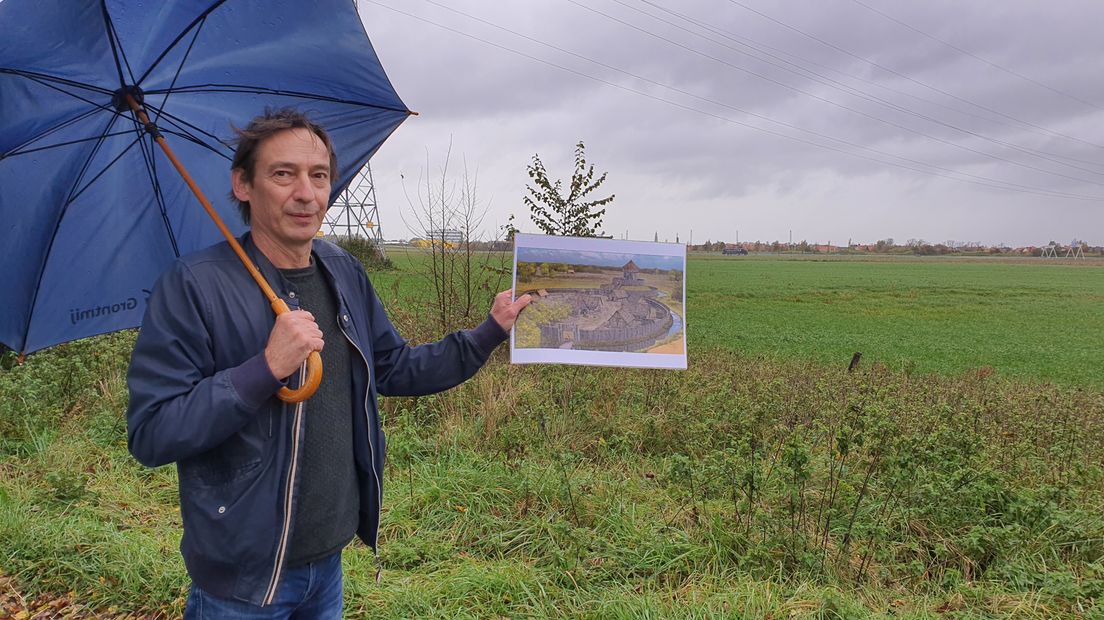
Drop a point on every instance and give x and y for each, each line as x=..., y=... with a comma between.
x=310, y=384
x=314, y=362
x=314, y=368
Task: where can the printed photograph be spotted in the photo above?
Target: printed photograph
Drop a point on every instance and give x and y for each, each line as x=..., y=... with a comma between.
x=600, y=301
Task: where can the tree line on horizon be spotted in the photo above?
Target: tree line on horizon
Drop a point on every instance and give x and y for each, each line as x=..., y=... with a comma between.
x=917, y=247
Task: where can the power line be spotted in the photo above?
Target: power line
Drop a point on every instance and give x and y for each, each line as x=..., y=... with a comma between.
x=762, y=48
x=715, y=102
x=947, y=172
x=899, y=74
x=979, y=58
x=831, y=102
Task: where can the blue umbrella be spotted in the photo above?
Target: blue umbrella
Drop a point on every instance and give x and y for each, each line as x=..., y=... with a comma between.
x=91, y=211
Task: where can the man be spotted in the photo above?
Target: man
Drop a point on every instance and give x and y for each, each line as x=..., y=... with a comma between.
x=271, y=492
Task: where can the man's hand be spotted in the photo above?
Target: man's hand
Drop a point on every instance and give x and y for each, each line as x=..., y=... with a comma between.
x=504, y=311
x=291, y=341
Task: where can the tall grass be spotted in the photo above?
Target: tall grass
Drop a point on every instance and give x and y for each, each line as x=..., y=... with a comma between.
x=744, y=485
x=751, y=485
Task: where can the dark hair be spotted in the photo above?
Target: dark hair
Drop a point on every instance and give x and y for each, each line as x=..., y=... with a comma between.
x=263, y=127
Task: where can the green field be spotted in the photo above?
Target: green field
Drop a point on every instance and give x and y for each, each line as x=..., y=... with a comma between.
x=1025, y=319
x=1022, y=318
x=958, y=472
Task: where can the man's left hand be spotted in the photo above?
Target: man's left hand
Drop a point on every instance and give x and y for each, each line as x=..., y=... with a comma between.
x=504, y=311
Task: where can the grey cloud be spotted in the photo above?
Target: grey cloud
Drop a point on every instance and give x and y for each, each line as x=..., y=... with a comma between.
x=500, y=109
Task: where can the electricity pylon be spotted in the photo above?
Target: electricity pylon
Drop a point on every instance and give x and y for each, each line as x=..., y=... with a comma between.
x=354, y=213
x=1074, y=250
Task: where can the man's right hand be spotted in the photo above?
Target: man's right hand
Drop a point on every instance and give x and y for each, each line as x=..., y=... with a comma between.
x=291, y=341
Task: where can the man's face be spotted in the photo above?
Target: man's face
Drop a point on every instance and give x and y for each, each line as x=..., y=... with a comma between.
x=289, y=192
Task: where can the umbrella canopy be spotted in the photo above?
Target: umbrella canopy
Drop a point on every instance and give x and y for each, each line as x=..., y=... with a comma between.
x=90, y=212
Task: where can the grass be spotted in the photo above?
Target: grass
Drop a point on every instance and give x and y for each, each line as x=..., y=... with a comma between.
x=1022, y=318
x=760, y=482
x=1025, y=319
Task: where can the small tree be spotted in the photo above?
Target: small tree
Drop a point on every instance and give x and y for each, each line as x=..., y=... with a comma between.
x=447, y=215
x=557, y=214
x=509, y=230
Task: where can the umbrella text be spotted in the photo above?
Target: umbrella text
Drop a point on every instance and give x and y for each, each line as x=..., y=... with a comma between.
x=77, y=315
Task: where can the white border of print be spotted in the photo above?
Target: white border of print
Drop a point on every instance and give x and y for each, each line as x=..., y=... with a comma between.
x=600, y=358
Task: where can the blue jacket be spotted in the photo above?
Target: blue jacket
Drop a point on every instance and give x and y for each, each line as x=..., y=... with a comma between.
x=202, y=396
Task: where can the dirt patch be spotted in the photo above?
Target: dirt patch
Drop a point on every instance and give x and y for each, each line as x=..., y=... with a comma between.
x=677, y=347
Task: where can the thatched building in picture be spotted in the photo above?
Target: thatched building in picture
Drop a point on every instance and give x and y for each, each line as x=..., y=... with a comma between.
x=608, y=318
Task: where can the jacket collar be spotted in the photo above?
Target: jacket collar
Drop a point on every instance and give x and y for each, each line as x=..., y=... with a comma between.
x=272, y=273
x=268, y=270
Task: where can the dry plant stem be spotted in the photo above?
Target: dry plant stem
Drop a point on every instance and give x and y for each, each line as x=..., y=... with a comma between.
x=751, y=496
x=880, y=522
x=793, y=519
x=824, y=498
x=858, y=500
x=460, y=277
x=559, y=459
x=700, y=511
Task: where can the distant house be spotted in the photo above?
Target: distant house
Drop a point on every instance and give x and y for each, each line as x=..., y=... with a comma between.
x=432, y=243
x=629, y=271
x=447, y=235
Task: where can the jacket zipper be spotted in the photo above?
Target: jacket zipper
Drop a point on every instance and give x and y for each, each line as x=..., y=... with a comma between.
x=371, y=448
x=281, y=549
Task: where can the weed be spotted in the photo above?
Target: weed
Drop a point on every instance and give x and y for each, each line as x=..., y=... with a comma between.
x=749, y=485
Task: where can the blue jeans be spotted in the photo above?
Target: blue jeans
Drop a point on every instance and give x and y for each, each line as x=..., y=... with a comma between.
x=308, y=592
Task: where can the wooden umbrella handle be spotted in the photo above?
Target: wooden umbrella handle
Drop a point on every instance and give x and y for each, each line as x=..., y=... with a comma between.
x=310, y=384
x=314, y=368
x=314, y=362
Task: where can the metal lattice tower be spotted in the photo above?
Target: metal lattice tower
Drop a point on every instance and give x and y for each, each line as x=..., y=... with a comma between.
x=354, y=213
x=1074, y=250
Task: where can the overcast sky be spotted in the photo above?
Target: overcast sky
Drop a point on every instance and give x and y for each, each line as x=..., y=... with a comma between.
x=967, y=121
